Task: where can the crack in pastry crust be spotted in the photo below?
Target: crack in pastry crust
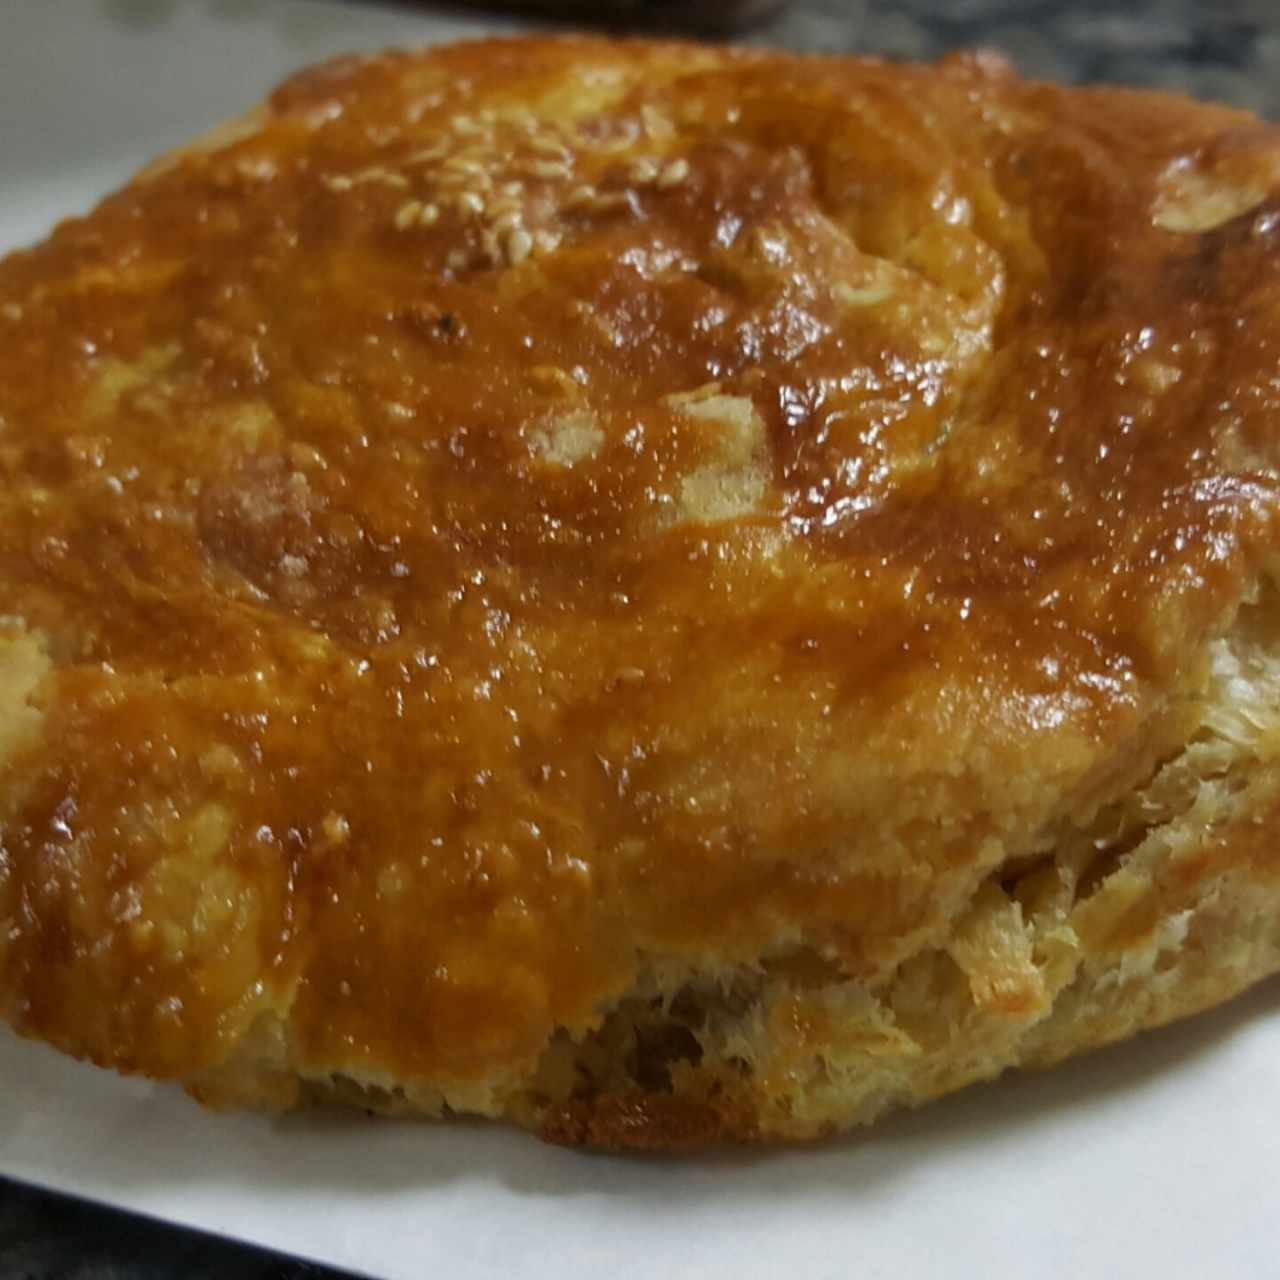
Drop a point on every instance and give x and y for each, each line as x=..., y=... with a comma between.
x=656, y=592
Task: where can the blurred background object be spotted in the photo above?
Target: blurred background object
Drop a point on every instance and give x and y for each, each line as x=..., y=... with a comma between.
x=1227, y=51
x=703, y=17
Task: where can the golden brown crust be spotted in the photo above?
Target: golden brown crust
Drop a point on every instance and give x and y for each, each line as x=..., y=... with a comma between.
x=601, y=583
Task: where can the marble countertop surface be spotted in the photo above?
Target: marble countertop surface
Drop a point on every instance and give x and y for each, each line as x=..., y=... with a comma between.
x=1228, y=50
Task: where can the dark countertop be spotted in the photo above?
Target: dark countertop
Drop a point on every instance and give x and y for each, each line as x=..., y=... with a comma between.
x=48, y=1237
x=1228, y=50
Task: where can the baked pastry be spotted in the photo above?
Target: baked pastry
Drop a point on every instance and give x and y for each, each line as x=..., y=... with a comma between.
x=659, y=593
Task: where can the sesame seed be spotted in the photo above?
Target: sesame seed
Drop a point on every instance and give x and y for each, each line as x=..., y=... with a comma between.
x=674, y=174
x=519, y=246
x=427, y=154
x=337, y=182
x=546, y=241
x=380, y=175
x=256, y=170
x=512, y=188
x=553, y=380
x=505, y=204
x=463, y=163
x=868, y=295
x=507, y=221
x=580, y=197
x=430, y=215
x=473, y=178
x=466, y=126
x=643, y=171
x=457, y=259
x=610, y=202
x=408, y=214
x=548, y=169
x=470, y=202
x=611, y=146
x=548, y=146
